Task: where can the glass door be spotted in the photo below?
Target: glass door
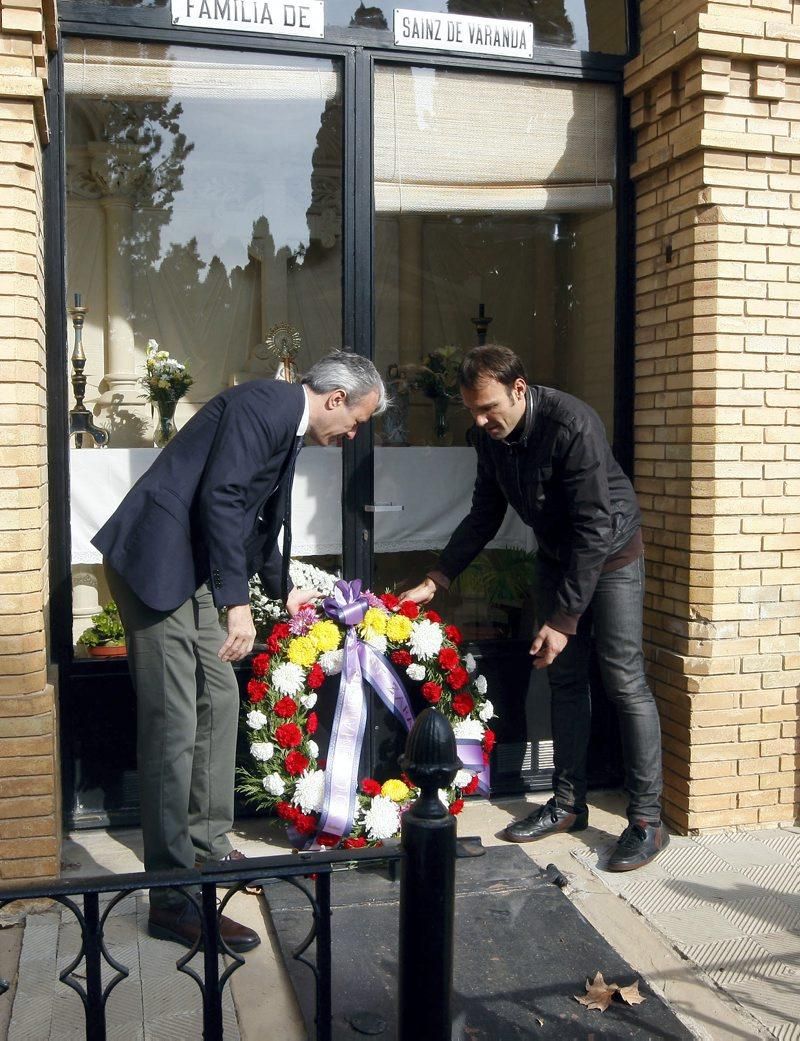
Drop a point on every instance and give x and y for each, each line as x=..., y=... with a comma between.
x=204, y=212
x=494, y=221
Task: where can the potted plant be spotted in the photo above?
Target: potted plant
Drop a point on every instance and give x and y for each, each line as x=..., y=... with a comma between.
x=105, y=638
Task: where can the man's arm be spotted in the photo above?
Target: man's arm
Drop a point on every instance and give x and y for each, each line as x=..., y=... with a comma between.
x=245, y=441
x=584, y=482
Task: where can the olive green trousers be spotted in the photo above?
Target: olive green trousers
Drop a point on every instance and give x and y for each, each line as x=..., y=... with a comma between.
x=187, y=716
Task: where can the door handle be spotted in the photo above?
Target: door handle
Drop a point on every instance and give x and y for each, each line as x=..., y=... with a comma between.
x=383, y=507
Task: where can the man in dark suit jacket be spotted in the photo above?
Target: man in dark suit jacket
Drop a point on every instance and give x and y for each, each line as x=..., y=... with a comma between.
x=183, y=544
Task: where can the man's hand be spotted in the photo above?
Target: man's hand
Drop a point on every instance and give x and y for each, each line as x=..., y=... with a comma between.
x=299, y=598
x=241, y=634
x=546, y=647
x=421, y=594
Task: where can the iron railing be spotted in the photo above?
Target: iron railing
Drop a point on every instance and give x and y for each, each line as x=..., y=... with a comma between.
x=310, y=873
x=426, y=854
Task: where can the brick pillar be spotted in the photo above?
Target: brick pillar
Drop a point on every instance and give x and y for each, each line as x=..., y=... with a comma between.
x=715, y=100
x=29, y=796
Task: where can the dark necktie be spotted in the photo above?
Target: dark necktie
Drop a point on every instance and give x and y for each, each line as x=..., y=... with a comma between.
x=287, y=519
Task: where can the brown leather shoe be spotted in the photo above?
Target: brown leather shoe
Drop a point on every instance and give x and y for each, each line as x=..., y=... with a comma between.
x=182, y=925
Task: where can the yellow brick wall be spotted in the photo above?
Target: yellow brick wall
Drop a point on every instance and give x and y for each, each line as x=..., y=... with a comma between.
x=29, y=796
x=715, y=110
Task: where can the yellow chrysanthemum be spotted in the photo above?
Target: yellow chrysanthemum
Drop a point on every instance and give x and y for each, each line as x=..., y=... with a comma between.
x=325, y=636
x=302, y=651
x=395, y=790
x=375, y=619
x=398, y=628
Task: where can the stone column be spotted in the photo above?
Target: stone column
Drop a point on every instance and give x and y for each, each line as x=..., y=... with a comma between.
x=117, y=171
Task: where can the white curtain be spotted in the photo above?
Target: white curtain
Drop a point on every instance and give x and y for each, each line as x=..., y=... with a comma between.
x=463, y=142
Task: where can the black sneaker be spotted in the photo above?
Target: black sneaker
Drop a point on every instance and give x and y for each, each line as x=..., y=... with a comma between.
x=546, y=820
x=638, y=845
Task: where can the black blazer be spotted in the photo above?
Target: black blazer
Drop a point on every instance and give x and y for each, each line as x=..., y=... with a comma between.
x=212, y=503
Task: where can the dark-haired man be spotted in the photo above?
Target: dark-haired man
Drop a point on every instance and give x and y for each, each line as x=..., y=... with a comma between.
x=545, y=453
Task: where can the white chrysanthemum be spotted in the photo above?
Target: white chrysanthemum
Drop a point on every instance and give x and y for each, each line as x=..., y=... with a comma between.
x=331, y=662
x=382, y=819
x=486, y=711
x=444, y=797
x=481, y=685
x=426, y=639
x=470, y=729
x=463, y=777
x=469, y=663
x=256, y=720
x=308, y=700
x=263, y=751
x=274, y=784
x=288, y=678
x=309, y=791
x=415, y=671
x=313, y=749
x=376, y=640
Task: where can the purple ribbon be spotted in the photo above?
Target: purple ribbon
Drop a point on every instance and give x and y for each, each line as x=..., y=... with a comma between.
x=360, y=663
x=470, y=751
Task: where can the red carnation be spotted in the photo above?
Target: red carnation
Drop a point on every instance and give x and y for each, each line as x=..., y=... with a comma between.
x=456, y=807
x=431, y=692
x=453, y=633
x=433, y=616
x=402, y=658
x=306, y=823
x=355, y=843
x=457, y=678
x=260, y=664
x=312, y=723
x=256, y=690
x=279, y=632
x=328, y=840
x=448, y=658
x=409, y=609
x=489, y=739
x=288, y=735
x=463, y=704
x=370, y=787
x=389, y=600
x=316, y=676
x=296, y=762
x=286, y=811
x=285, y=708
x=472, y=787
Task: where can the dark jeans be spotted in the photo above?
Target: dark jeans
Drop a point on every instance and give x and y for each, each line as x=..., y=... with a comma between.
x=614, y=624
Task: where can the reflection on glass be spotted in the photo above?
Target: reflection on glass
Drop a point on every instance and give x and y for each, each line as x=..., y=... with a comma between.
x=585, y=25
x=204, y=209
x=204, y=212
x=496, y=227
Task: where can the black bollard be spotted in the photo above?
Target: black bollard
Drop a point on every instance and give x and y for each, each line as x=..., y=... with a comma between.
x=427, y=884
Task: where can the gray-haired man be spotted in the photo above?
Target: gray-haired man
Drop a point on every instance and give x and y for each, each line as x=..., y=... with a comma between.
x=184, y=543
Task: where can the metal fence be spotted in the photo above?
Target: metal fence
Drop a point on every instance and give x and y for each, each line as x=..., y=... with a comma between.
x=427, y=894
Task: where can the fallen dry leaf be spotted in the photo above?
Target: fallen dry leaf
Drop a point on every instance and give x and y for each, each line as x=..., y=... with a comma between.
x=599, y=994
x=630, y=994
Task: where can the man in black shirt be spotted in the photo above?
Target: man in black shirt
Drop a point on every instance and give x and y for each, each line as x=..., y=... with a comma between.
x=545, y=453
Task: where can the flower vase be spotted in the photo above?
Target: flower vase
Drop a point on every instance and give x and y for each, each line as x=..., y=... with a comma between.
x=440, y=406
x=165, y=427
